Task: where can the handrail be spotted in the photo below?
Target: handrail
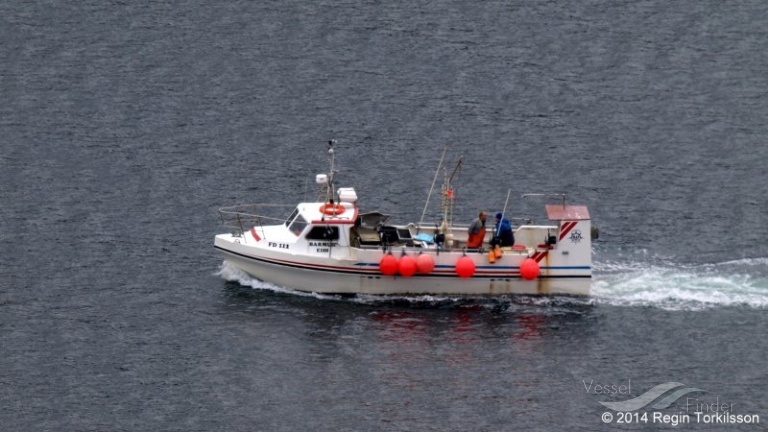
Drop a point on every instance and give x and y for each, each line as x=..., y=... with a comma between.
x=249, y=214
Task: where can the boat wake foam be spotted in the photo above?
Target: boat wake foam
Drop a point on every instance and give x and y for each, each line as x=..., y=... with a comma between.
x=234, y=274
x=665, y=285
x=672, y=286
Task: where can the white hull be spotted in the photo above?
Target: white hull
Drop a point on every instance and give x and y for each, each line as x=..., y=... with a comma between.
x=349, y=277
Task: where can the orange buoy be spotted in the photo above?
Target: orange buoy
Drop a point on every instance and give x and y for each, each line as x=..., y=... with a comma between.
x=332, y=209
x=425, y=263
x=406, y=266
x=529, y=269
x=465, y=267
x=388, y=265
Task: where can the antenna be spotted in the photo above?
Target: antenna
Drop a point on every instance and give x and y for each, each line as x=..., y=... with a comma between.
x=327, y=179
x=332, y=156
x=437, y=172
x=545, y=195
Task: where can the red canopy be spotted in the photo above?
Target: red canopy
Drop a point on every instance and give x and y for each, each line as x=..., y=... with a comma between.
x=558, y=212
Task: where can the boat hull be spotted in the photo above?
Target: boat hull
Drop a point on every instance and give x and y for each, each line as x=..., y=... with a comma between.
x=353, y=278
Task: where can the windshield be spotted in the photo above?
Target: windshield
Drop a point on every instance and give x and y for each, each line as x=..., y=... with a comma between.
x=298, y=225
x=292, y=216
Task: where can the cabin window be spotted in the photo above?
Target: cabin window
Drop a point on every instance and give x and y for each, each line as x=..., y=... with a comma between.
x=323, y=233
x=298, y=225
x=292, y=217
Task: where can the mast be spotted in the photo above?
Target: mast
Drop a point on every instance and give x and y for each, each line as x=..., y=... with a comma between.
x=447, y=205
x=327, y=179
x=332, y=156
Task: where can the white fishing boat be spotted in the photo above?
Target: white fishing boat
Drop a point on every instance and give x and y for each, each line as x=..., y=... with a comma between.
x=333, y=246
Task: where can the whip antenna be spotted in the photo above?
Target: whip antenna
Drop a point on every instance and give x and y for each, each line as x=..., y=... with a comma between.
x=437, y=172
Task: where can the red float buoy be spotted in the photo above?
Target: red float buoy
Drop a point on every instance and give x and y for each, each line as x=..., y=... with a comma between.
x=465, y=267
x=388, y=265
x=406, y=266
x=425, y=263
x=529, y=269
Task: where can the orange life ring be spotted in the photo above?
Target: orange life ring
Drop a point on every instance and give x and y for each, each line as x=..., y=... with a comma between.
x=332, y=209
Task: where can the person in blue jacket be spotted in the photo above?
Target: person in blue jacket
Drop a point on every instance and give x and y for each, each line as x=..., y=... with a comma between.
x=504, y=231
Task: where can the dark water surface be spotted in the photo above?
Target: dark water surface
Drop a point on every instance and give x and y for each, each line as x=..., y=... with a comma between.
x=125, y=125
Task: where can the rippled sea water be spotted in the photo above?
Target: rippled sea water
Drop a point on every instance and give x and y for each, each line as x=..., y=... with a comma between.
x=124, y=126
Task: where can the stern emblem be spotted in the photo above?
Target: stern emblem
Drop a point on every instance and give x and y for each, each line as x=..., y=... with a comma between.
x=576, y=236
